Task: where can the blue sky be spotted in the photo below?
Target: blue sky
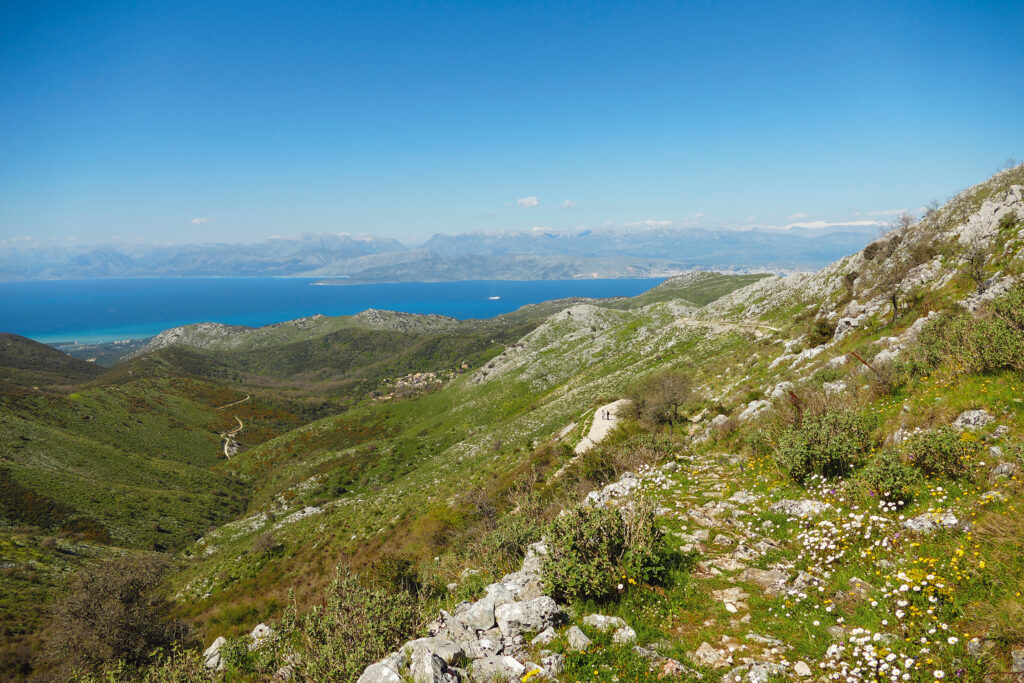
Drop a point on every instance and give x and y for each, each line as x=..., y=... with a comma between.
x=199, y=121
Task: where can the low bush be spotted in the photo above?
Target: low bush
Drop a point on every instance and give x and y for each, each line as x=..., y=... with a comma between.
x=827, y=375
x=597, y=552
x=393, y=572
x=994, y=341
x=888, y=478
x=821, y=333
x=355, y=627
x=940, y=452
x=505, y=546
x=830, y=443
x=114, y=611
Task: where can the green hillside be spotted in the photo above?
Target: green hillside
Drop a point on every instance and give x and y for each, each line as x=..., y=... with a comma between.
x=879, y=396
x=27, y=362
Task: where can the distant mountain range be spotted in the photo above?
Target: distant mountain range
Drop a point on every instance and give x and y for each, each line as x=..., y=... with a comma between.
x=531, y=255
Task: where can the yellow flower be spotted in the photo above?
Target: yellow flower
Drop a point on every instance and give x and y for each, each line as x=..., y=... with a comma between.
x=981, y=564
x=532, y=674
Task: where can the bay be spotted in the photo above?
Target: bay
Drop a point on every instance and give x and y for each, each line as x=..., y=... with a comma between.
x=99, y=310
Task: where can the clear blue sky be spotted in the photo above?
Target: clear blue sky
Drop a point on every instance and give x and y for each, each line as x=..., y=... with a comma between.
x=141, y=119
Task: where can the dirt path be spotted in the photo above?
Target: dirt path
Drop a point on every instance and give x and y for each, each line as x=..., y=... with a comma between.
x=228, y=405
x=230, y=444
x=605, y=419
x=724, y=325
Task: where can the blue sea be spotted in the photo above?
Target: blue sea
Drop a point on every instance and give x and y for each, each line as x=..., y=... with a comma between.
x=105, y=310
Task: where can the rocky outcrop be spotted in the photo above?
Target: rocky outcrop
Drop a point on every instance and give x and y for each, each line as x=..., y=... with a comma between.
x=930, y=522
x=486, y=636
x=799, y=508
x=973, y=419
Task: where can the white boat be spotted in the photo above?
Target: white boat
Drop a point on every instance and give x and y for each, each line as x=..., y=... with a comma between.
x=494, y=298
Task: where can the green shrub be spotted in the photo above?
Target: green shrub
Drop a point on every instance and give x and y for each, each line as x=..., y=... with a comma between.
x=830, y=444
x=114, y=611
x=393, y=572
x=506, y=544
x=821, y=333
x=827, y=375
x=939, y=452
x=595, y=550
x=888, y=478
x=993, y=342
x=355, y=627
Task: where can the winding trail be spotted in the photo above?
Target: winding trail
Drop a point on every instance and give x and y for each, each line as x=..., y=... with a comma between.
x=605, y=419
x=228, y=405
x=230, y=444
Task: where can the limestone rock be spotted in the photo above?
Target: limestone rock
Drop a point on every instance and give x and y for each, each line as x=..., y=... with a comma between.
x=771, y=580
x=624, y=635
x=734, y=598
x=706, y=655
x=973, y=419
x=477, y=616
x=623, y=488
x=799, y=508
x=603, y=623
x=425, y=667
x=753, y=409
x=930, y=522
x=211, y=657
x=1004, y=470
x=385, y=671
x=447, y=650
x=553, y=663
x=577, y=639
x=259, y=636
x=530, y=615
x=501, y=668
x=544, y=637
x=755, y=672
x=485, y=646
x=801, y=669
x=1017, y=665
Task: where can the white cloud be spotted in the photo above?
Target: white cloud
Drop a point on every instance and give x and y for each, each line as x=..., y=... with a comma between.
x=568, y=204
x=814, y=225
x=698, y=215
x=202, y=220
x=649, y=224
x=886, y=212
x=528, y=202
x=796, y=216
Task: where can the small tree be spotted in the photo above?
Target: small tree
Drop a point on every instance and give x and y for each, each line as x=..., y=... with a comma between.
x=903, y=221
x=114, y=611
x=975, y=257
x=659, y=398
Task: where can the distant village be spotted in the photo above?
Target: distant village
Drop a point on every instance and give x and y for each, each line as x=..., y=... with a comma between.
x=418, y=382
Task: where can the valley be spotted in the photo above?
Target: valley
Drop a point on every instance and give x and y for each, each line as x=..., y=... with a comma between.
x=820, y=447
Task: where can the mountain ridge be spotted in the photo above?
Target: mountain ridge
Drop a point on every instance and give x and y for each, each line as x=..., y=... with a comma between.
x=516, y=256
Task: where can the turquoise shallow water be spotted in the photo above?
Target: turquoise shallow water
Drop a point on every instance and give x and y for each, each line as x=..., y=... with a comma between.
x=105, y=310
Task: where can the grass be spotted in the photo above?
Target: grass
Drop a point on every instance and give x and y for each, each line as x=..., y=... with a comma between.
x=428, y=476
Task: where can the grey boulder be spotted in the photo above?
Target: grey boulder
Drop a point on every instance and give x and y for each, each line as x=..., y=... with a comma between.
x=499, y=668
x=799, y=508
x=577, y=639
x=517, y=618
x=930, y=522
